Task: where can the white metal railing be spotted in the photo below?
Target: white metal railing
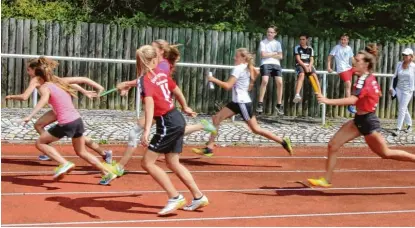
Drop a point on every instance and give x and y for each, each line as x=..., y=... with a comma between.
x=101, y=60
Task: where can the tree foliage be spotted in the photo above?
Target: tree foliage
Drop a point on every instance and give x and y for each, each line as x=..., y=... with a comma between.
x=375, y=20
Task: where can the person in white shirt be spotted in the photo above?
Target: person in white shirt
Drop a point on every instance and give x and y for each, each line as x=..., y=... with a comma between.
x=240, y=82
x=404, y=86
x=343, y=56
x=271, y=54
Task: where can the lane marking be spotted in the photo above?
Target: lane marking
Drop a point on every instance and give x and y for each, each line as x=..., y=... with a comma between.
x=211, y=190
x=214, y=218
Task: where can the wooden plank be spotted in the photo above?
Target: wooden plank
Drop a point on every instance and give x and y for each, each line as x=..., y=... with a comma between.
x=112, y=66
x=331, y=79
x=77, y=53
x=187, y=72
x=48, y=38
x=64, y=31
x=219, y=60
x=169, y=35
x=394, y=61
x=105, y=66
x=201, y=79
x=142, y=39
x=286, y=49
x=387, y=101
x=83, y=66
x=126, y=67
x=162, y=34
x=314, y=106
x=149, y=35
x=70, y=49
x=207, y=59
x=55, y=44
x=99, y=35
x=41, y=30
x=19, y=62
x=181, y=38
x=255, y=49
x=11, y=62
x=229, y=61
x=26, y=50
x=118, y=74
x=132, y=74
x=91, y=65
x=289, y=80
x=228, y=46
x=213, y=59
x=4, y=61
x=155, y=34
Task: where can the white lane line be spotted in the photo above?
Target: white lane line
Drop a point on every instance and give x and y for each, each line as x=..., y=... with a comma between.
x=211, y=190
x=215, y=218
x=232, y=157
x=226, y=171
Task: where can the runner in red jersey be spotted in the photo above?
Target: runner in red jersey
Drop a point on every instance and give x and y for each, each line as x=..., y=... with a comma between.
x=365, y=96
x=157, y=88
x=167, y=56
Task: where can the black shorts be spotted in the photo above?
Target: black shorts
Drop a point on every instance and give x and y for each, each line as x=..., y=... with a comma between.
x=245, y=109
x=272, y=70
x=169, y=133
x=299, y=69
x=74, y=129
x=367, y=124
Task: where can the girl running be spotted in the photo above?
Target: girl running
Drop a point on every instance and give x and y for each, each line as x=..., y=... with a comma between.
x=156, y=88
x=167, y=56
x=57, y=93
x=241, y=80
x=366, y=93
x=50, y=117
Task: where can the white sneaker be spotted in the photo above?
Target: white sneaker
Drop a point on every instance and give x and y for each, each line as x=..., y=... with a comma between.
x=173, y=204
x=297, y=98
x=196, y=204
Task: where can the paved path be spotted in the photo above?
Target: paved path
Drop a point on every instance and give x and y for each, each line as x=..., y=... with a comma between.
x=112, y=126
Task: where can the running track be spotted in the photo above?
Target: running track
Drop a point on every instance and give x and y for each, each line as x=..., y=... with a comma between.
x=246, y=186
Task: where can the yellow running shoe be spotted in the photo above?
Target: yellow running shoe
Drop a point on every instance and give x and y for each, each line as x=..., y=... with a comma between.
x=203, y=151
x=322, y=182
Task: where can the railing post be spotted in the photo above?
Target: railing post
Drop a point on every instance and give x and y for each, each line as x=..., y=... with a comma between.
x=34, y=97
x=323, y=112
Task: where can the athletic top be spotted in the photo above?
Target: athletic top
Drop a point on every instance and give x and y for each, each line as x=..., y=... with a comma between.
x=342, y=57
x=406, y=77
x=270, y=46
x=304, y=53
x=366, y=88
x=62, y=104
x=240, y=89
x=159, y=87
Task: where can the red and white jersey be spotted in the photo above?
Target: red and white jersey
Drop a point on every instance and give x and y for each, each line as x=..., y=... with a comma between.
x=158, y=86
x=367, y=90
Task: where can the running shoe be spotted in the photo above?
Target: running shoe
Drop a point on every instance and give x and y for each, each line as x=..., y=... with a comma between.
x=351, y=109
x=280, y=110
x=287, y=145
x=260, y=108
x=63, y=169
x=106, y=179
x=44, y=157
x=322, y=182
x=297, y=98
x=197, y=203
x=408, y=129
x=173, y=204
x=203, y=151
x=208, y=127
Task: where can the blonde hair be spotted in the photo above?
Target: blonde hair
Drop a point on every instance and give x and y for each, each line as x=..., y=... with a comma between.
x=249, y=58
x=44, y=67
x=144, y=55
x=171, y=52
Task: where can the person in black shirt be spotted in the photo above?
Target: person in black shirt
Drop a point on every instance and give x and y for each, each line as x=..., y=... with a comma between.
x=304, y=57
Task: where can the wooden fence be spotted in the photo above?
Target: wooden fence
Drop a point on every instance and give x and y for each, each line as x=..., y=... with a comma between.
x=25, y=36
